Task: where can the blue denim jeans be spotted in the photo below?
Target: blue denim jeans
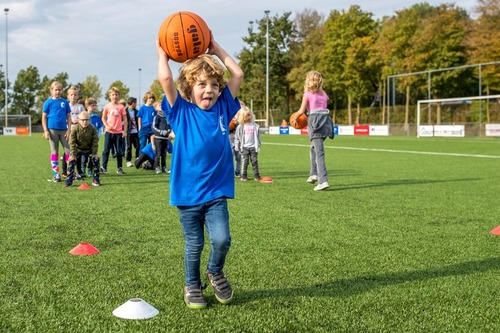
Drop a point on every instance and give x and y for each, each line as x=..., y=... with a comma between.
x=215, y=217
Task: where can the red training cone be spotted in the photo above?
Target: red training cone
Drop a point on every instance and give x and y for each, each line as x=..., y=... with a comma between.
x=266, y=179
x=84, y=249
x=495, y=231
x=84, y=187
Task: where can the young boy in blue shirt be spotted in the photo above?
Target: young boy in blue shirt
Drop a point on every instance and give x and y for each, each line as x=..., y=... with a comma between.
x=96, y=121
x=202, y=171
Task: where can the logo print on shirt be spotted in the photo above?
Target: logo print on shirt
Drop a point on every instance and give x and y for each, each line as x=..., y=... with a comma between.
x=221, y=124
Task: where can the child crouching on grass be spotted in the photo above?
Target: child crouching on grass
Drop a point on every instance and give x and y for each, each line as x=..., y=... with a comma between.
x=83, y=144
x=202, y=171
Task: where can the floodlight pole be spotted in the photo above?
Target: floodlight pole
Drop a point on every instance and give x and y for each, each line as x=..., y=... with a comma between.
x=139, y=98
x=267, y=67
x=6, y=109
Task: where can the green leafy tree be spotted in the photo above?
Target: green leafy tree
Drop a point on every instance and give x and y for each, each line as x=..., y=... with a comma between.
x=342, y=29
x=2, y=89
x=252, y=59
x=439, y=43
x=484, y=42
x=484, y=45
x=25, y=91
x=305, y=52
x=44, y=92
x=156, y=89
x=361, y=72
x=91, y=88
x=422, y=38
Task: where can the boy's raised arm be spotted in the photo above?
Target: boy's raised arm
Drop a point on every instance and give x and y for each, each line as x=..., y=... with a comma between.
x=234, y=69
x=165, y=75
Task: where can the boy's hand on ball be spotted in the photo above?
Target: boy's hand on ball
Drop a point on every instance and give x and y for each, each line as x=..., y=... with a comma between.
x=161, y=52
x=214, y=46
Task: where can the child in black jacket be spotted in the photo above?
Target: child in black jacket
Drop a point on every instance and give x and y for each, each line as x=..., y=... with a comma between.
x=163, y=134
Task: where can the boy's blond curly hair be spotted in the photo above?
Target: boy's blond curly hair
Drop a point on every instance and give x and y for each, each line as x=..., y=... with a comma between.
x=193, y=68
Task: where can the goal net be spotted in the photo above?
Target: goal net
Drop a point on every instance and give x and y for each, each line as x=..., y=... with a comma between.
x=459, y=117
x=15, y=125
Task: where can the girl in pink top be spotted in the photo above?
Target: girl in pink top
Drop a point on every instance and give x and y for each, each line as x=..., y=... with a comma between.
x=114, y=118
x=319, y=127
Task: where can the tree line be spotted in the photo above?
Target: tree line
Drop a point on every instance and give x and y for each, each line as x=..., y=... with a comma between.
x=355, y=53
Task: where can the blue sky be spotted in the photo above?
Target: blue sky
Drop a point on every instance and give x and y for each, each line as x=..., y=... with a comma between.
x=113, y=39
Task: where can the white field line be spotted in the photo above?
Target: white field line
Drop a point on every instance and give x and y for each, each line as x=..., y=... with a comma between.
x=389, y=150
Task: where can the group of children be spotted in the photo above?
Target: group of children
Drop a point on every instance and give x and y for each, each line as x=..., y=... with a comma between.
x=66, y=122
x=202, y=177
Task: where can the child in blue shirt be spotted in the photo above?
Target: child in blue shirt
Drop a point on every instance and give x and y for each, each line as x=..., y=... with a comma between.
x=56, y=124
x=145, y=118
x=202, y=171
x=95, y=119
x=146, y=159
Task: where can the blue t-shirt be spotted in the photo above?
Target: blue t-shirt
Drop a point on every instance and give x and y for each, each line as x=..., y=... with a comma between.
x=149, y=151
x=96, y=120
x=146, y=113
x=202, y=159
x=57, y=110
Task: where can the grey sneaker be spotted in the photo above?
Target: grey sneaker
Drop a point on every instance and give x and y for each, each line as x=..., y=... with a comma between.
x=119, y=171
x=57, y=178
x=312, y=179
x=103, y=170
x=193, y=297
x=158, y=170
x=222, y=288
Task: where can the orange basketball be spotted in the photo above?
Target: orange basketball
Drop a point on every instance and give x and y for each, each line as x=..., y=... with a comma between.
x=301, y=121
x=183, y=36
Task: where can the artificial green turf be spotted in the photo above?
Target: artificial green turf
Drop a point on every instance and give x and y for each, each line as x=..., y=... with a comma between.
x=399, y=243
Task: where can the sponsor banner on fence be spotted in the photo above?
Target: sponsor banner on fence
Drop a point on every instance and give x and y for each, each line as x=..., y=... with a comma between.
x=492, y=130
x=345, y=130
x=361, y=130
x=381, y=130
x=284, y=130
x=9, y=131
x=449, y=130
x=274, y=130
x=12, y=131
x=426, y=130
x=335, y=130
x=22, y=130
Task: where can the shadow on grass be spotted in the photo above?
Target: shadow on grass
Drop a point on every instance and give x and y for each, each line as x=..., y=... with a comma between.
x=280, y=174
x=362, y=284
x=399, y=182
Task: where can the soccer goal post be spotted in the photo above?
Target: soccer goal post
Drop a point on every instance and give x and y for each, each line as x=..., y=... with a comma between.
x=456, y=117
x=16, y=125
